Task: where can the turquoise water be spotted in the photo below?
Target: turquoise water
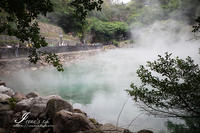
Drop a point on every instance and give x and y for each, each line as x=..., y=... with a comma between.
x=97, y=84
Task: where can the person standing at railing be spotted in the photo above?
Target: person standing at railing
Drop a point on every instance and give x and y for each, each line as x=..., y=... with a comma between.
x=17, y=50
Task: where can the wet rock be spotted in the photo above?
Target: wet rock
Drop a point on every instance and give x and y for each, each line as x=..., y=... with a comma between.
x=19, y=96
x=7, y=91
x=37, y=109
x=5, y=118
x=41, y=130
x=109, y=128
x=96, y=123
x=24, y=105
x=32, y=94
x=56, y=104
x=145, y=131
x=35, y=105
x=79, y=111
x=2, y=83
x=4, y=107
x=4, y=98
x=52, y=97
x=36, y=130
x=68, y=122
x=2, y=130
x=18, y=114
x=40, y=104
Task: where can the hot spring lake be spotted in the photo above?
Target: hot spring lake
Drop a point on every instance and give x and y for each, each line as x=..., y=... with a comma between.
x=97, y=84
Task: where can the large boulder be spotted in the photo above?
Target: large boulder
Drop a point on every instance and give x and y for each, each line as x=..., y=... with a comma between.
x=5, y=118
x=2, y=83
x=2, y=130
x=57, y=104
x=4, y=98
x=35, y=105
x=4, y=107
x=6, y=90
x=145, y=131
x=19, y=96
x=32, y=94
x=109, y=128
x=24, y=105
x=79, y=111
x=68, y=122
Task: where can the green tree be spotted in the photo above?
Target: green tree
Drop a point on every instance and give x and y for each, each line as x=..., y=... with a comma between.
x=191, y=125
x=20, y=19
x=107, y=31
x=170, y=87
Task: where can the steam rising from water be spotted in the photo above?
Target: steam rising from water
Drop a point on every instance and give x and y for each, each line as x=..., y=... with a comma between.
x=97, y=84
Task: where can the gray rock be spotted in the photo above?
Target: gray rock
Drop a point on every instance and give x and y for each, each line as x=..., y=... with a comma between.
x=68, y=122
x=32, y=94
x=5, y=118
x=19, y=96
x=40, y=104
x=3, y=130
x=109, y=128
x=79, y=111
x=36, y=130
x=56, y=104
x=7, y=91
x=35, y=105
x=52, y=97
x=4, y=98
x=2, y=83
x=41, y=130
x=24, y=105
x=145, y=131
x=4, y=107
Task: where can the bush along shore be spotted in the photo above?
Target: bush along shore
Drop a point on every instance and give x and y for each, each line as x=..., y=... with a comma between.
x=32, y=113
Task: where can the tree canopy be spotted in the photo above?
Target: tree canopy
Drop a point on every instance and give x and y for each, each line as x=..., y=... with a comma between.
x=107, y=31
x=19, y=18
x=170, y=87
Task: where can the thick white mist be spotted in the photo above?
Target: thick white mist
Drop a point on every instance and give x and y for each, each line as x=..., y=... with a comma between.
x=97, y=85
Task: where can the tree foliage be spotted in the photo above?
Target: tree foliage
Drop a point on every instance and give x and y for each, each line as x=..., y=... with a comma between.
x=19, y=19
x=170, y=87
x=107, y=31
x=191, y=125
x=83, y=6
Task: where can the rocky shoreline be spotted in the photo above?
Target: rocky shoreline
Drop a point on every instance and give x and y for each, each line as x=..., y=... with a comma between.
x=32, y=113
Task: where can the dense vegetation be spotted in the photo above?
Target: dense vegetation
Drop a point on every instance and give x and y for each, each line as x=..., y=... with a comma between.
x=170, y=88
x=101, y=26
x=105, y=31
x=18, y=18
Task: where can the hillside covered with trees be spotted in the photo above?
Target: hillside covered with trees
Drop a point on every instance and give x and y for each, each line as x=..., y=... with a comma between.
x=115, y=20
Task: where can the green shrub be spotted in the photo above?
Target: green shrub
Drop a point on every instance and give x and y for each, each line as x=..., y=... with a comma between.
x=107, y=31
x=116, y=43
x=12, y=102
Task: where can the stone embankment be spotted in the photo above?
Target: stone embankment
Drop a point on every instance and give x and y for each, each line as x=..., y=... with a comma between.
x=8, y=66
x=32, y=113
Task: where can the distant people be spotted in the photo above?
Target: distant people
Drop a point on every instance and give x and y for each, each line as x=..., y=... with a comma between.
x=17, y=50
x=61, y=40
